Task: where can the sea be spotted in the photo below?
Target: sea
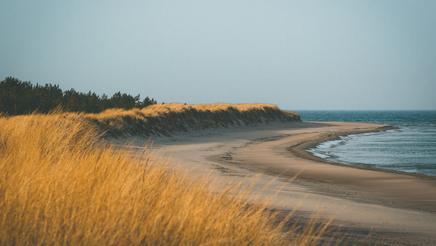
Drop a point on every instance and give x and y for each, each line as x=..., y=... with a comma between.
x=410, y=148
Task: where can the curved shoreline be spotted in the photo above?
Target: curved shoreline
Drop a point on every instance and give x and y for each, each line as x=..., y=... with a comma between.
x=355, y=197
x=302, y=150
x=286, y=156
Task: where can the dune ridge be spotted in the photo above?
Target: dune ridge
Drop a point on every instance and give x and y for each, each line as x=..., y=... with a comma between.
x=168, y=119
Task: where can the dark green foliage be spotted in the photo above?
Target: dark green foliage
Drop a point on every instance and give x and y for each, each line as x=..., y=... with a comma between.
x=20, y=97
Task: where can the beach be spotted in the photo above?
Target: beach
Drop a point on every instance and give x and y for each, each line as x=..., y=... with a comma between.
x=272, y=160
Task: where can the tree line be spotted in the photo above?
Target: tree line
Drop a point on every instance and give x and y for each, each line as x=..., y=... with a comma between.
x=23, y=97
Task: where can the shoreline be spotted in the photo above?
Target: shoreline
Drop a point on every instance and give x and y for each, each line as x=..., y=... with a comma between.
x=286, y=156
x=303, y=151
x=356, y=198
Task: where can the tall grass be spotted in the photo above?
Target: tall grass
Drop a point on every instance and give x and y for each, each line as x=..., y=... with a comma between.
x=159, y=109
x=167, y=119
x=60, y=185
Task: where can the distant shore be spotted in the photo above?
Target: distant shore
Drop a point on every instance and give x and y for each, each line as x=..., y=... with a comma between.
x=355, y=197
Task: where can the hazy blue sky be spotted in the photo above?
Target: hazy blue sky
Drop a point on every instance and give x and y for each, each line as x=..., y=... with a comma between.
x=297, y=54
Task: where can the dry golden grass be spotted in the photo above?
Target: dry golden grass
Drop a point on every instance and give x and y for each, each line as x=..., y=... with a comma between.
x=166, y=119
x=60, y=185
x=159, y=109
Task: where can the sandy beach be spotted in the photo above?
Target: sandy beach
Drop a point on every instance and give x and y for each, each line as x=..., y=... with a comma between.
x=387, y=207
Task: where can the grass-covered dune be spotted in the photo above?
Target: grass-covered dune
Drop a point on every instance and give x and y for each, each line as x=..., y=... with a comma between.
x=60, y=186
x=167, y=119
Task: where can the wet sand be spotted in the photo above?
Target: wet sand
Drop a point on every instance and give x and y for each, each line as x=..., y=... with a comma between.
x=364, y=204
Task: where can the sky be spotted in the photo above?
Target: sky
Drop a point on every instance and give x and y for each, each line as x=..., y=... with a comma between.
x=332, y=55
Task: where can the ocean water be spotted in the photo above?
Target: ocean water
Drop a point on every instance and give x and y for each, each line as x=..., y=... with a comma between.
x=410, y=148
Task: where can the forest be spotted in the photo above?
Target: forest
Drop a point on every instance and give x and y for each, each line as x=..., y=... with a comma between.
x=23, y=97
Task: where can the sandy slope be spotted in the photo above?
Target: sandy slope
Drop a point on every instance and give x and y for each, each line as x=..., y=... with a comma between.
x=394, y=207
